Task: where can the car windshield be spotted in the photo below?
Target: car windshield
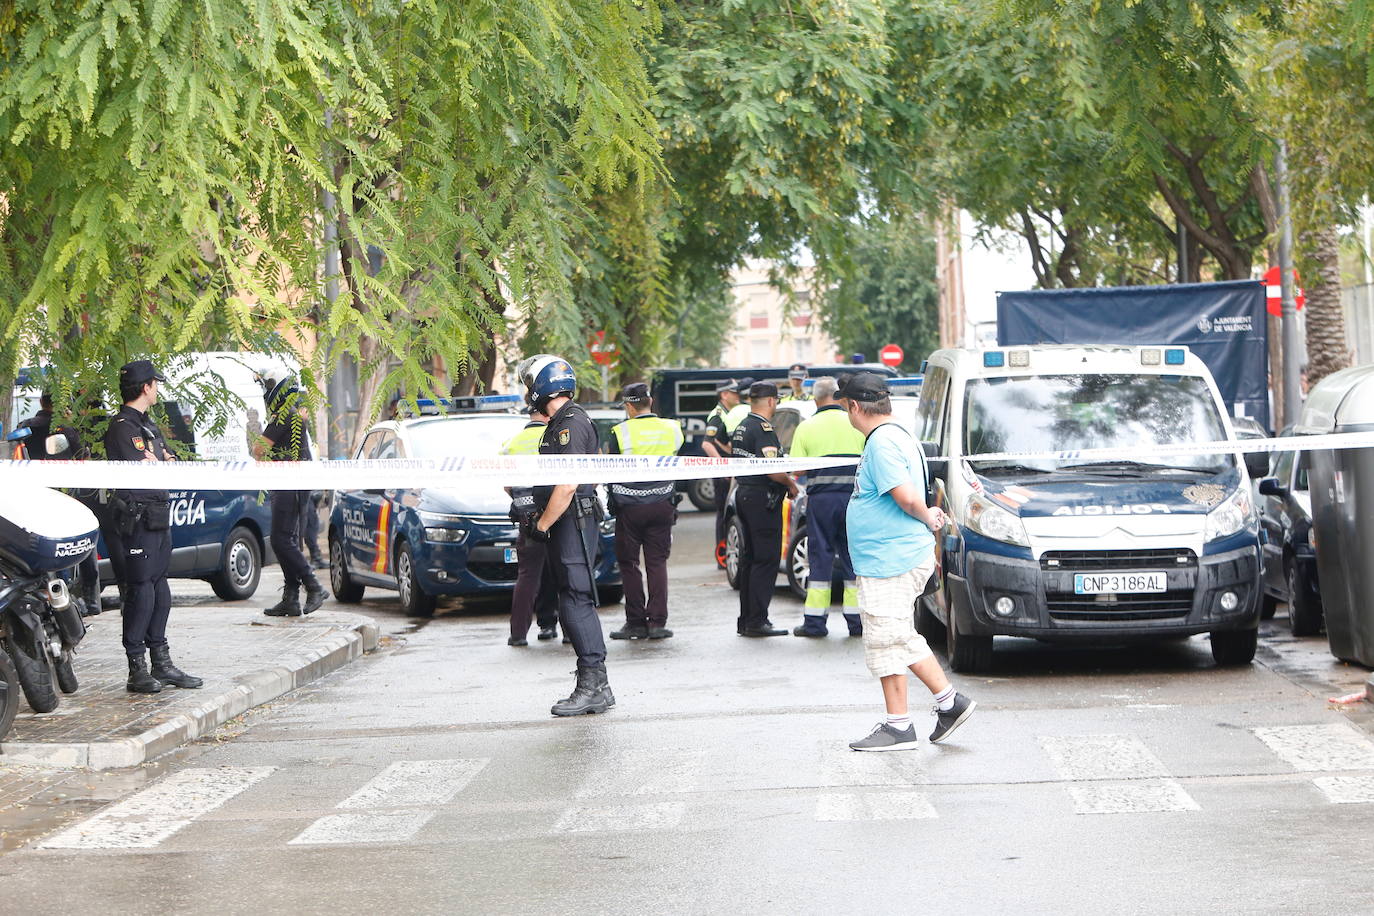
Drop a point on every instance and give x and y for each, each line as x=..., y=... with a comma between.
x=1045, y=413
x=452, y=437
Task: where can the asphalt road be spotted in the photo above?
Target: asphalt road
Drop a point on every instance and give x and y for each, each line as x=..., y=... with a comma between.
x=429, y=778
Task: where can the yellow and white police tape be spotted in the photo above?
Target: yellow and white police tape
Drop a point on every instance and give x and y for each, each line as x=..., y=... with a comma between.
x=543, y=470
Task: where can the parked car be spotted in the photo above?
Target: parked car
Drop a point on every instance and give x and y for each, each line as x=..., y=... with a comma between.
x=1290, y=562
x=433, y=542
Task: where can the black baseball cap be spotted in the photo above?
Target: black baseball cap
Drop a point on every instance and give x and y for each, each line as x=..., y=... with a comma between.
x=727, y=385
x=796, y=370
x=138, y=372
x=863, y=386
x=763, y=390
x=742, y=386
x=635, y=393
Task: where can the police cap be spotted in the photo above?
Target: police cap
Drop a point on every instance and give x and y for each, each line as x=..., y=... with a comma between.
x=763, y=390
x=743, y=385
x=727, y=385
x=138, y=372
x=635, y=393
x=863, y=386
x=796, y=370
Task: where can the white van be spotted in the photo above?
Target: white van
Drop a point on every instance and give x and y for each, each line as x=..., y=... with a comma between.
x=1162, y=546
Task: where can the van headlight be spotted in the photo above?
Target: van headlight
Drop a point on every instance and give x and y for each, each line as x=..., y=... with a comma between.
x=1231, y=516
x=992, y=521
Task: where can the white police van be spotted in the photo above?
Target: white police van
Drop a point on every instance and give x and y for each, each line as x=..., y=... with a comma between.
x=1160, y=546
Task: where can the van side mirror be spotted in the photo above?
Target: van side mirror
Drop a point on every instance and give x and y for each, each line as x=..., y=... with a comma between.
x=1257, y=463
x=1270, y=486
x=931, y=449
x=56, y=444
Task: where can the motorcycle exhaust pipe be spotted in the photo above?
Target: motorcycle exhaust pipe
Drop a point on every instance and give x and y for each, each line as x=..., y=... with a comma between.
x=65, y=613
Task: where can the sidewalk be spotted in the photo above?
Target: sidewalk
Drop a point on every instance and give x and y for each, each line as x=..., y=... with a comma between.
x=246, y=660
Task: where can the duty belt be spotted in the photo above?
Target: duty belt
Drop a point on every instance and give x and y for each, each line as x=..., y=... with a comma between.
x=623, y=490
x=825, y=479
x=523, y=500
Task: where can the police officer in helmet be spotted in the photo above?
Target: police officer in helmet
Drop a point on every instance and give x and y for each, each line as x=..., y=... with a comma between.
x=566, y=517
x=144, y=520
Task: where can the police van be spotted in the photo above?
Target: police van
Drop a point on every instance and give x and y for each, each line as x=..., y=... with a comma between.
x=1079, y=549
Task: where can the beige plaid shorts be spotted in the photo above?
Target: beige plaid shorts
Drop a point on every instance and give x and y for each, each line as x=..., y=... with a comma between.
x=891, y=643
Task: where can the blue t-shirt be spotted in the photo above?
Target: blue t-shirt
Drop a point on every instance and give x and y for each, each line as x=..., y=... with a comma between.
x=883, y=540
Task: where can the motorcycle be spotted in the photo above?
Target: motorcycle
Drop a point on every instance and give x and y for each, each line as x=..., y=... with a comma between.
x=43, y=534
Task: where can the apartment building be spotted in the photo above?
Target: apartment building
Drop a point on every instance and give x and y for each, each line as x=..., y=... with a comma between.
x=765, y=334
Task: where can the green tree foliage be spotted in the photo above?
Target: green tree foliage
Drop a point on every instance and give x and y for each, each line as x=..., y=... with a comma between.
x=889, y=296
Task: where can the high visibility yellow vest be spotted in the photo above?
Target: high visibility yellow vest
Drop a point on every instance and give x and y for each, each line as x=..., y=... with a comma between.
x=648, y=436
x=525, y=442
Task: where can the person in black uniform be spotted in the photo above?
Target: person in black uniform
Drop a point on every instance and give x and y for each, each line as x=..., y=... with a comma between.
x=143, y=518
x=535, y=596
x=566, y=517
x=285, y=439
x=758, y=505
x=715, y=443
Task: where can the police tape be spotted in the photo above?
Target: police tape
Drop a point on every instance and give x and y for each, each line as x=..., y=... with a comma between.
x=547, y=470
x=392, y=474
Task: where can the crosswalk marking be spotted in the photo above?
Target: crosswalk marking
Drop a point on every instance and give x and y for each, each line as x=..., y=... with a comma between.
x=842, y=767
x=1346, y=790
x=886, y=806
x=643, y=772
x=1319, y=748
x=412, y=788
x=146, y=818
x=1077, y=757
x=1130, y=797
x=611, y=818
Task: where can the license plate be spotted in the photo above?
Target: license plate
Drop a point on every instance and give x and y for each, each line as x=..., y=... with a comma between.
x=510, y=555
x=1119, y=583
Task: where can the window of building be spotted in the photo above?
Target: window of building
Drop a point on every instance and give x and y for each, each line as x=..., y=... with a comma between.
x=760, y=352
x=758, y=319
x=801, y=349
x=802, y=320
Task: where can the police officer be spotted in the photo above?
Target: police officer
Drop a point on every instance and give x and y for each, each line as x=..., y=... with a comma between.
x=535, y=593
x=566, y=517
x=644, y=516
x=285, y=439
x=758, y=505
x=715, y=443
x=796, y=375
x=144, y=518
x=828, y=433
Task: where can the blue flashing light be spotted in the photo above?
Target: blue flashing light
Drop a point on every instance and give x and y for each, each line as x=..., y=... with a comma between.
x=994, y=359
x=1174, y=357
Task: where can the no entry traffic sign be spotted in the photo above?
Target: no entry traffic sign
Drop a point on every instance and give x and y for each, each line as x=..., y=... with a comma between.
x=1273, y=292
x=890, y=355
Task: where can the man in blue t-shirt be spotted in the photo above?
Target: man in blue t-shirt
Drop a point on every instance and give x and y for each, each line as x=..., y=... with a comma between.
x=892, y=551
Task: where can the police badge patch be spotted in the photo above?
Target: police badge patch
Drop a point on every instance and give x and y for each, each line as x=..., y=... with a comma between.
x=564, y=436
x=138, y=443
x=1206, y=495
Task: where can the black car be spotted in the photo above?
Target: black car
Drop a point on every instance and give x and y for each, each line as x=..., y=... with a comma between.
x=1290, y=561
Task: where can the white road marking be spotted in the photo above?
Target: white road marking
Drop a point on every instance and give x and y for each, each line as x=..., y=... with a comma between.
x=1319, y=748
x=611, y=818
x=1346, y=790
x=146, y=818
x=1078, y=757
x=411, y=789
x=416, y=784
x=662, y=772
x=369, y=827
x=1130, y=797
x=842, y=767
x=887, y=806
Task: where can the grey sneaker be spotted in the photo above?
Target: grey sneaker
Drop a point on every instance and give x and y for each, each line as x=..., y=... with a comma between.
x=947, y=722
x=886, y=738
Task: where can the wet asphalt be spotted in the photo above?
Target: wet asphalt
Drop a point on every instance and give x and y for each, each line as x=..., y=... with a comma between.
x=429, y=778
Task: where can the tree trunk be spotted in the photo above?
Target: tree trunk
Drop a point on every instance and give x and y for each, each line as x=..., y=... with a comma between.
x=1327, y=349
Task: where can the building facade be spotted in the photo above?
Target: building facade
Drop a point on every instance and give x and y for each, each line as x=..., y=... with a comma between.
x=765, y=333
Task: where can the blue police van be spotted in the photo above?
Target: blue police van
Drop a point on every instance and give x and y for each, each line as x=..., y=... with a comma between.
x=438, y=541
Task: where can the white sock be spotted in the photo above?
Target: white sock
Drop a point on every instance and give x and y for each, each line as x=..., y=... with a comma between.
x=945, y=699
x=900, y=723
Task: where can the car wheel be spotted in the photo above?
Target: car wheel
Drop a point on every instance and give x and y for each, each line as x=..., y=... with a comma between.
x=240, y=566
x=927, y=624
x=414, y=601
x=1269, y=605
x=36, y=675
x=798, y=565
x=1304, y=614
x=345, y=589
x=702, y=493
x=1234, y=647
x=734, y=543
x=967, y=654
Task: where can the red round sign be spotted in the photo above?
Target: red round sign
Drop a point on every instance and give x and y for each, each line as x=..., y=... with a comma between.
x=1273, y=292
x=603, y=353
x=890, y=355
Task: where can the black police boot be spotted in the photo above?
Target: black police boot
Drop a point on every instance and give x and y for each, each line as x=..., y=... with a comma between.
x=289, y=605
x=813, y=625
x=140, y=681
x=631, y=631
x=314, y=596
x=168, y=673
x=591, y=695
x=549, y=632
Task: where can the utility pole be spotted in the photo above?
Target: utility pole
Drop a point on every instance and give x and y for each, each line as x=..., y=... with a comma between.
x=335, y=393
x=1292, y=359
x=1181, y=232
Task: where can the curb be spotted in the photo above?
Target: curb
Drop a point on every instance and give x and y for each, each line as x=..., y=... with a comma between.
x=329, y=654
x=1369, y=689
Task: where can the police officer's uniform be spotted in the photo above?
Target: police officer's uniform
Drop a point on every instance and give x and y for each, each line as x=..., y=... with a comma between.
x=143, y=518
x=287, y=434
x=758, y=506
x=718, y=430
x=828, y=433
x=535, y=593
x=644, y=517
x=795, y=371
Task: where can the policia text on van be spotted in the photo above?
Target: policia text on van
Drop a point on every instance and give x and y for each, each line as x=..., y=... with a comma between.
x=1166, y=545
